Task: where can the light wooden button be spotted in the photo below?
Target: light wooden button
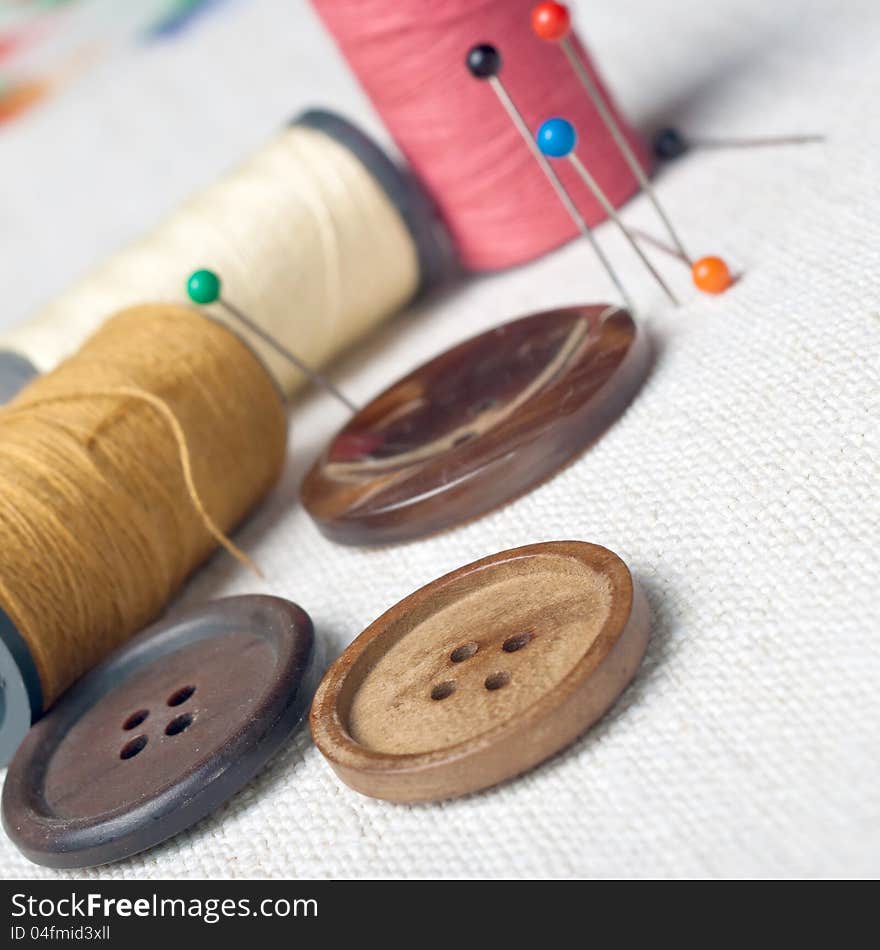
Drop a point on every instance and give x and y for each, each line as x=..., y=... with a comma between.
x=483, y=673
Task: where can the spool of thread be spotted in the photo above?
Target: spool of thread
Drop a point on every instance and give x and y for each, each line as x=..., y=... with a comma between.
x=319, y=236
x=120, y=471
x=409, y=57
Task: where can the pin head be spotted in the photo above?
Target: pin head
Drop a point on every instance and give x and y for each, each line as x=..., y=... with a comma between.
x=711, y=275
x=669, y=143
x=556, y=138
x=203, y=286
x=551, y=21
x=484, y=61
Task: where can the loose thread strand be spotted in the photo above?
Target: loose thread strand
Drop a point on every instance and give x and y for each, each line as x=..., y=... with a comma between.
x=182, y=448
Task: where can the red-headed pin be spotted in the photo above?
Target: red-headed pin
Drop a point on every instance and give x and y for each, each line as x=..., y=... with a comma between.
x=552, y=22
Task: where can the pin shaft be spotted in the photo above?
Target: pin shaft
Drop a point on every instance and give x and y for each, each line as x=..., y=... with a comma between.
x=282, y=350
x=644, y=238
x=763, y=142
x=519, y=122
x=601, y=197
x=620, y=140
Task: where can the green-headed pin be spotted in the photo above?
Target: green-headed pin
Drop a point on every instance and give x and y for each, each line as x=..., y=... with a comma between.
x=203, y=288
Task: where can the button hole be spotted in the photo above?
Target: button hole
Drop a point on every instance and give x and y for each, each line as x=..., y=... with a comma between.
x=133, y=747
x=516, y=642
x=135, y=719
x=464, y=652
x=497, y=680
x=464, y=437
x=180, y=696
x=178, y=724
x=443, y=690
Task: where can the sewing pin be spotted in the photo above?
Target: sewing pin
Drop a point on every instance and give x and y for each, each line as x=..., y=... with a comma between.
x=552, y=22
x=484, y=62
x=670, y=143
x=557, y=139
x=204, y=288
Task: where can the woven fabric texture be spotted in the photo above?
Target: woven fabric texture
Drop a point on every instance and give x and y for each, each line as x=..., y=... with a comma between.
x=741, y=486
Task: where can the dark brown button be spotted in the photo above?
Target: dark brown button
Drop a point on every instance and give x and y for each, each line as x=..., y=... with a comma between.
x=161, y=733
x=477, y=426
x=482, y=674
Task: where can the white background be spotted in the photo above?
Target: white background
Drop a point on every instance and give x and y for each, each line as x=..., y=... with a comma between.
x=741, y=486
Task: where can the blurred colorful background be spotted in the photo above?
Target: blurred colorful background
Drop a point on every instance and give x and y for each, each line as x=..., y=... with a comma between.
x=46, y=44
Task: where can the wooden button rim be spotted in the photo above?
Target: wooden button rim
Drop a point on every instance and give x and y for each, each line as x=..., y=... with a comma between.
x=498, y=753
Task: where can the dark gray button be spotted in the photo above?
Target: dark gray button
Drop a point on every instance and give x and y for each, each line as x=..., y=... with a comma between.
x=161, y=733
x=15, y=372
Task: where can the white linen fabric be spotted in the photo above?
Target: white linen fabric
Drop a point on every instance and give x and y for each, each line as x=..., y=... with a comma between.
x=741, y=485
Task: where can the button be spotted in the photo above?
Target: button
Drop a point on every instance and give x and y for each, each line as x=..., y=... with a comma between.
x=15, y=372
x=477, y=426
x=482, y=674
x=161, y=733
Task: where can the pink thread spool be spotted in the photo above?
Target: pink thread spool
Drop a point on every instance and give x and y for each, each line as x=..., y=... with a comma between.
x=409, y=55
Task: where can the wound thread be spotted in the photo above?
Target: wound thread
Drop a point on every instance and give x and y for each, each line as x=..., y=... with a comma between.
x=308, y=243
x=120, y=472
x=409, y=56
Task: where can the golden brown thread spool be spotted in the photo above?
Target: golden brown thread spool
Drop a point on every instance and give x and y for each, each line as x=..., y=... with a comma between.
x=98, y=526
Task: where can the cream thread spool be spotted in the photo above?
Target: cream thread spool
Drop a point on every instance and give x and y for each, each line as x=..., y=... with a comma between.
x=320, y=236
